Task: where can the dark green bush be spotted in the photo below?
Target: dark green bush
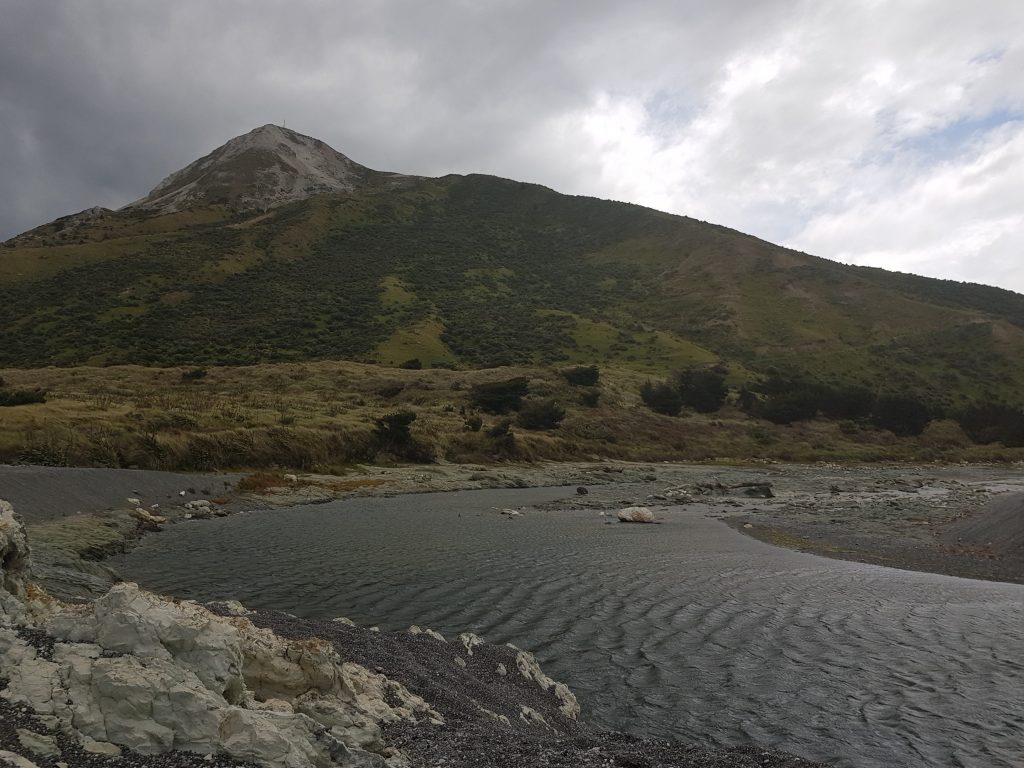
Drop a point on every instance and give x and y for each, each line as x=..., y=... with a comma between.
x=590, y=397
x=21, y=397
x=540, y=414
x=195, y=374
x=500, y=428
x=846, y=402
x=393, y=436
x=412, y=364
x=993, y=423
x=661, y=398
x=900, y=414
x=582, y=375
x=703, y=389
x=500, y=397
x=787, y=408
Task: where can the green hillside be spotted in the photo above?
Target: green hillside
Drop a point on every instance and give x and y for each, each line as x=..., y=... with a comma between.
x=475, y=271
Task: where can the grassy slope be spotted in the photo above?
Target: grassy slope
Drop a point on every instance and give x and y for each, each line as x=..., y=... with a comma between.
x=483, y=271
x=319, y=415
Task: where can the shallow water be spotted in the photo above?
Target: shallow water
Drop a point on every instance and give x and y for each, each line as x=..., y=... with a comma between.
x=685, y=629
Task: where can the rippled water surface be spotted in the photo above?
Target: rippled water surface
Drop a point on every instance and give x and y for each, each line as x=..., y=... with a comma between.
x=685, y=629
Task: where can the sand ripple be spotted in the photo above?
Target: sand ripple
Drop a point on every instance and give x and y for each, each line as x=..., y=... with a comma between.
x=684, y=630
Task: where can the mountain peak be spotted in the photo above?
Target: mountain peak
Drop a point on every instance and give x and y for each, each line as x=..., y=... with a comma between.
x=267, y=166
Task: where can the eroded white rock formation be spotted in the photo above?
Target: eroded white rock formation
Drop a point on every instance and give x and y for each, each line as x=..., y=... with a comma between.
x=134, y=669
x=152, y=674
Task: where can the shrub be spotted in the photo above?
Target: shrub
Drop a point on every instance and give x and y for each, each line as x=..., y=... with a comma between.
x=194, y=374
x=392, y=429
x=846, y=402
x=703, y=389
x=393, y=436
x=389, y=389
x=787, y=408
x=661, y=398
x=582, y=375
x=993, y=422
x=502, y=439
x=500, y=428
x=10, y=397
x=473, y=423
x=902, y=415
x=590, y=397
x=540, y=414
x=412, y=364
x=500, y=397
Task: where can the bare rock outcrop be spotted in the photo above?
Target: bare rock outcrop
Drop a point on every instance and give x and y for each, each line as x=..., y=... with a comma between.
x=13, y=562
x=151, y=674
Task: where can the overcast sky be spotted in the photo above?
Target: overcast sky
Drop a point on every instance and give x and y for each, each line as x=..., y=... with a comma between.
x=888, y=133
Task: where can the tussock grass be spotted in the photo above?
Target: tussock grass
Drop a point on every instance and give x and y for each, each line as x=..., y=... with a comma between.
x=319, y=417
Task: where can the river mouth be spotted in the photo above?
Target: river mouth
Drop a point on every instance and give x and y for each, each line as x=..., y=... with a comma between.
x=683, y=630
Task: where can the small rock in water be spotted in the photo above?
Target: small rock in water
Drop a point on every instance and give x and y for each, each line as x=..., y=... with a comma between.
x=581, y=491
x=636, y=515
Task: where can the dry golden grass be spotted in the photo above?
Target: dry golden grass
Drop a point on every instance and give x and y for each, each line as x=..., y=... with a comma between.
x=319, y=417
x=261, y=481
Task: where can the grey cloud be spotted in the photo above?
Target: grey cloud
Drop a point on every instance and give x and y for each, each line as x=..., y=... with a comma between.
x=100, y=100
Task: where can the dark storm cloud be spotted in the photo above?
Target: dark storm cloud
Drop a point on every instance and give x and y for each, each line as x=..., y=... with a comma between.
x=100, y=100
x=797, y=121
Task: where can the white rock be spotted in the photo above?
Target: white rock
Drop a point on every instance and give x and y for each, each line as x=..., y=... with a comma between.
x=145, y=516
x=129, y=620
x=532, y=716
x=14, y=561
x=636, y=515
x=272, y=738
x=530, y=669
x=470, y=641
x=141, y=671
x=100, y=747
x=14, y=760
x=133, y=501
x=415, y=630
x=38, y=743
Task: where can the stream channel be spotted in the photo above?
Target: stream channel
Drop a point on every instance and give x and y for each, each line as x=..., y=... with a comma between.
x=685, y=630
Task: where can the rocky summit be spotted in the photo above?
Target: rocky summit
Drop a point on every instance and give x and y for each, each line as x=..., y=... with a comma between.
x=268, y=166
x=135, y=679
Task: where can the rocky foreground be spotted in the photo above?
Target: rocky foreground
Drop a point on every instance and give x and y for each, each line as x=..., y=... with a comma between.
x=135, y=679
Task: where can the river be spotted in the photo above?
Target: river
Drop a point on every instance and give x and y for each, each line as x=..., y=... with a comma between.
x=686, y=630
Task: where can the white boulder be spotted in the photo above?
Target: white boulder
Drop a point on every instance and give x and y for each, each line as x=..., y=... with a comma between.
x=636, y=515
